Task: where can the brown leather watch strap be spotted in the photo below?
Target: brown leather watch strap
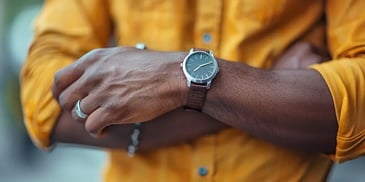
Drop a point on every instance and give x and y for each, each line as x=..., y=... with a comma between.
x=196, y=98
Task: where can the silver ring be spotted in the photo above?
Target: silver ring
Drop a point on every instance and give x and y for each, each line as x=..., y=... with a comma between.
x=78, y=111
x=141, y=46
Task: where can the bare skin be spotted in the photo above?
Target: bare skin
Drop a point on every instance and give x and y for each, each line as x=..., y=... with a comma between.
x=292, y=108
x=155, y=134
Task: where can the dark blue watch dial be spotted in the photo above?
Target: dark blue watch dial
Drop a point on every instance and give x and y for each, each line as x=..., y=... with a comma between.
x=200, y=65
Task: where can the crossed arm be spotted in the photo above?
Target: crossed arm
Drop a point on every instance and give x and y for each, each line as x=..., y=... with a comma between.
x=292, y=108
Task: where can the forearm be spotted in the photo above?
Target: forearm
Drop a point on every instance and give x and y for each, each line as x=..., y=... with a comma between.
x=172, y=128
x=292, y=108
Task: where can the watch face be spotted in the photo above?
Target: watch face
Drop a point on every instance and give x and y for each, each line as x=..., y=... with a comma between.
x=201, y=66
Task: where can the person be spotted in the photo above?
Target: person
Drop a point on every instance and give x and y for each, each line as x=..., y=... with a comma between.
x=273, y=111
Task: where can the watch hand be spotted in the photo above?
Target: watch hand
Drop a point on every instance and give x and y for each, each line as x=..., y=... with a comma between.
x=197, y=68
x=202, y=65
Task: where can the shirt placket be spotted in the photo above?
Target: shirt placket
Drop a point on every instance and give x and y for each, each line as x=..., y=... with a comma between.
x=207, y=24
x=203, y=168
x=206, y=35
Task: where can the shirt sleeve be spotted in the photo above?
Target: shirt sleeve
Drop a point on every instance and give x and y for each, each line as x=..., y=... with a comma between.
x=64, y=31
x=345, y=75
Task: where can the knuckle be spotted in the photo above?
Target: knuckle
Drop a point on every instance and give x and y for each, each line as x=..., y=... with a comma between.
x=100, y=51
x=57, y=81
x=95, y=53
x=110, y=107
x=64, y=100
x=123, y=50
x=61, y=99
x=112, y=110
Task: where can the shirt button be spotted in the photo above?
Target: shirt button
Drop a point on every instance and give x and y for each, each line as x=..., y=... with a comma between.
x=202, y=171
x=207, y=38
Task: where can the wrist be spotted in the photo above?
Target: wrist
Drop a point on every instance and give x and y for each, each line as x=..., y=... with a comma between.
x=180, y=81
x=200, y=68
x=183, y=89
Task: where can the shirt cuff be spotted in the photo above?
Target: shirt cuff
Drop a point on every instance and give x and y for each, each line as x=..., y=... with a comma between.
x=40, y=109
x=346, y=81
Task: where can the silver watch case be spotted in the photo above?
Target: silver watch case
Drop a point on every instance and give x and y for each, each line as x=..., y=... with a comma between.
x=191, y=79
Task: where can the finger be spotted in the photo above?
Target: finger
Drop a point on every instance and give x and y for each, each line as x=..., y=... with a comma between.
x=89, y=104
x=78, y=114
x=97, y=122
x=69, y=96
x=66, y=76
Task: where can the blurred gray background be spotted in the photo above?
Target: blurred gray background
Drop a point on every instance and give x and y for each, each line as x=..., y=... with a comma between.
x=20, y=161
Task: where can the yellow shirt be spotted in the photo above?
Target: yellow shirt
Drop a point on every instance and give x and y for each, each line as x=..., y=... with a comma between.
x=255, y=32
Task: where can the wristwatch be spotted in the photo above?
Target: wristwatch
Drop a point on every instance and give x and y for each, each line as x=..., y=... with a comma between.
x=200, y=68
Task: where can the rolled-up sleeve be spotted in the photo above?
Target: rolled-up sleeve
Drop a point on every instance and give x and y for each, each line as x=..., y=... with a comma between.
x=345, y=75
x=64, y=31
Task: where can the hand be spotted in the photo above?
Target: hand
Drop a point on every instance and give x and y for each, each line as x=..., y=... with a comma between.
x=121, y=85
x=300, y=56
